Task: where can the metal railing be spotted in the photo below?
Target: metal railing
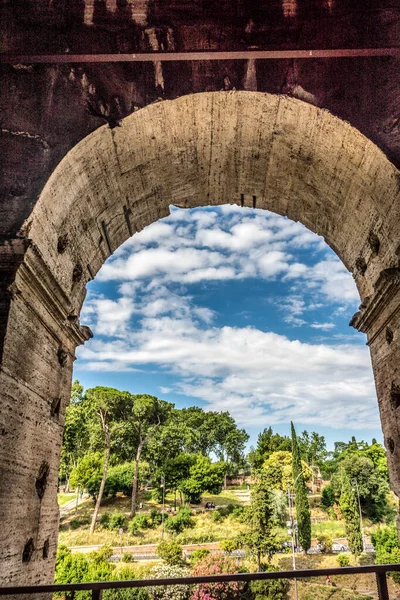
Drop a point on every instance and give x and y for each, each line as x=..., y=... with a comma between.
x=69, y=589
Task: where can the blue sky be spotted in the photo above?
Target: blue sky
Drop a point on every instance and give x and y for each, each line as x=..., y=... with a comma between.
x=233, y=309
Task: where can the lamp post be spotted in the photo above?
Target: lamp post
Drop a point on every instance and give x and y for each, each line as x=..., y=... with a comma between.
x=355, y=483
x=163, y=504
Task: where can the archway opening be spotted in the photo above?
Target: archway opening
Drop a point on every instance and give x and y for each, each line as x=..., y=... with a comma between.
x=246, y=148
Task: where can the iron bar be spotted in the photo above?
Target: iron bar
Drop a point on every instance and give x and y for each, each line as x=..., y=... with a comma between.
x=245, y=577
x=17, y=58
x=381, y=583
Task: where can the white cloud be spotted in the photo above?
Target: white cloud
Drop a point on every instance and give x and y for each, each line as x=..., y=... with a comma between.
x=323, y=326
x=165, y=390
x=254, y=374
x=259, y=376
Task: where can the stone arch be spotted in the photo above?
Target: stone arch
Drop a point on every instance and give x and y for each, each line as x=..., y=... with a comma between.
x=249, y=148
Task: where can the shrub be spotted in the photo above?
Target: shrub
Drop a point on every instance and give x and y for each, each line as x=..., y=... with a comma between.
x=238, y=513
x=343, y=560
x=103, y=554
x=217, y=516
x=274, y=589
x=75, y=523
x=172, y=592
x=325, y=542
x=80, y=568
x=133, y=527
x=104, y=520
x=180, y=521
x=215, y=565
x=170, y=552
x=229, y=545
x=387, y=546
x=126, y=573
x=156, y=517
x=198, y=555
x=127, y=558
x=117, y=520
x=140, y=521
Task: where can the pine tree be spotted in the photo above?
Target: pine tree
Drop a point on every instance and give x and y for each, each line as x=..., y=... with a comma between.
x=351, y=515
x=301, y=496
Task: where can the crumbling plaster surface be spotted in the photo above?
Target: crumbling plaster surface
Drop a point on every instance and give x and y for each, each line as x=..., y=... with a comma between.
x=248, y=148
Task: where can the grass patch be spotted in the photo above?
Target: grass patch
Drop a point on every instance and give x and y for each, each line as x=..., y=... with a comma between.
x=333, y=529
x=64, y=498
x=311, y=591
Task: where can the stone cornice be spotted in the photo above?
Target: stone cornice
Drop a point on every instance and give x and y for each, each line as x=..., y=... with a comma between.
x=35, y=275
x=386, y=287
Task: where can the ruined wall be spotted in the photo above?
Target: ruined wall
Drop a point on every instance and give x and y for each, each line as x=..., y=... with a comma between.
x=46, y=109
x=290, y=156
x=248, y=148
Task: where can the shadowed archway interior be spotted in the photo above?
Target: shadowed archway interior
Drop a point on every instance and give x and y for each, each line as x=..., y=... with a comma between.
x=248, y=148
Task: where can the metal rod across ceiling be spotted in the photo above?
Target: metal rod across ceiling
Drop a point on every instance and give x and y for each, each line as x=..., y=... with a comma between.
x=197, y=56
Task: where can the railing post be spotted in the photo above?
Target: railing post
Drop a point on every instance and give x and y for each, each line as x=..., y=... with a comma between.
x=96, y=594
x=381, y=583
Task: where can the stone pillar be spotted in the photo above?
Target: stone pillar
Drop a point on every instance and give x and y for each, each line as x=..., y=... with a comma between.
x=379, y=318
x=39, y=343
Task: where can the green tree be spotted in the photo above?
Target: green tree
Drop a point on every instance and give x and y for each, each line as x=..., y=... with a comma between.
x=76, y=433
x=312, y=448
x=203, y=476
x=88, y=467
x=267, y=443
x=260, y=517
x=279, y=472
x=106, y=405
x=373, y=488
x=146, y=414
x=175, y=470
x=351, y=515
x=301, y=496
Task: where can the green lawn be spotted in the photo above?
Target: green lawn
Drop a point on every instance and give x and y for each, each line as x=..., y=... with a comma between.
x=64, y=498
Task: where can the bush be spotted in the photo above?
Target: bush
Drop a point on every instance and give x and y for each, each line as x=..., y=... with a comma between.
x=80, y=568
x=172, y=592
x=156, y=517
x=101, y=555
x=133, y=527
x=274, y=589
x=215, y=565
x=229, y=545
x=217, y=516
x=170, y=552
x=104, y=520
x=387, y=546
x=127, y=558
x=117, y=520
x=140, y=521
x=238, y=513
x=126, y=573
x=343, y=560
x=180, y=521
x=328, y=497
x=198, y=555
x=325, y=542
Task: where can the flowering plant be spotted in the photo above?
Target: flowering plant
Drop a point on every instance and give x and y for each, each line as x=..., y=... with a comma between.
x=171, y=592
x=217, y=565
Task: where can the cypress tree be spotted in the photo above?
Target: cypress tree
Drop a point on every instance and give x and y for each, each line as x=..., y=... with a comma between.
x=351, y=515
x=301, y=496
